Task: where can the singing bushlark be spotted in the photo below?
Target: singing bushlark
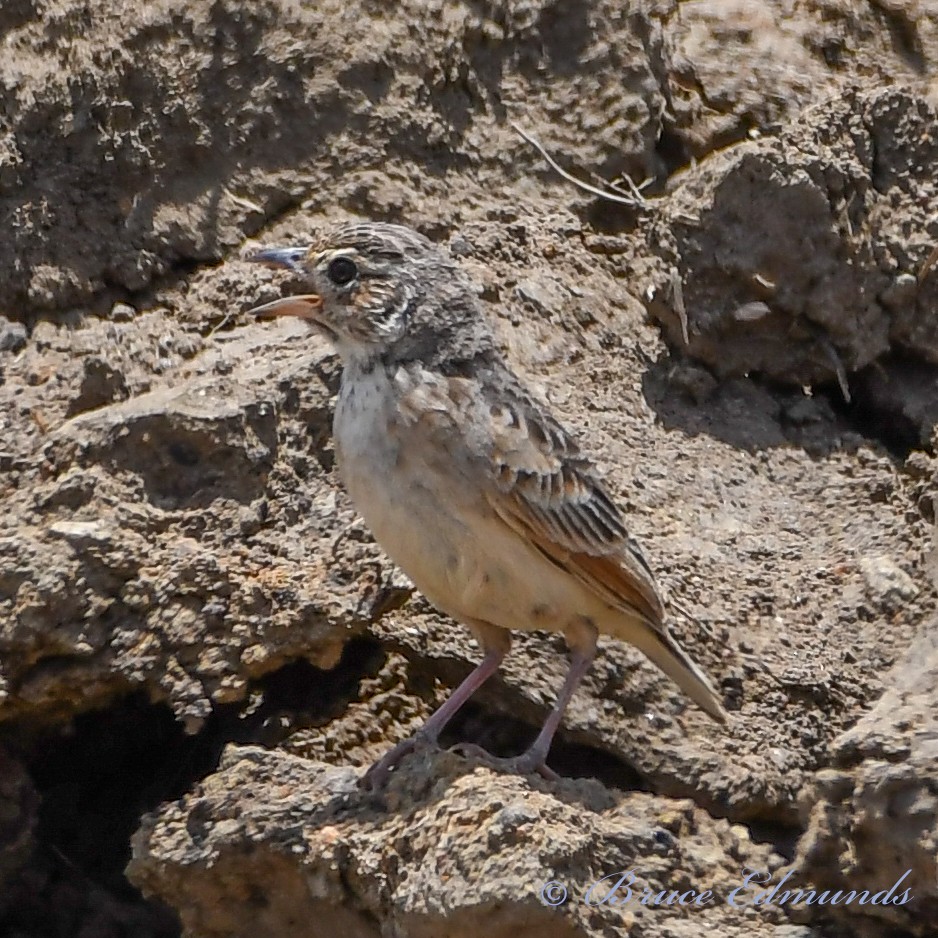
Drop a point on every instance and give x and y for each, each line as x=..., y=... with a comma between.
x=466, y=480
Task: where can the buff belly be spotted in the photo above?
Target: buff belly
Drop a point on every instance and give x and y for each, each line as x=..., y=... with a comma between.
x=440, y=530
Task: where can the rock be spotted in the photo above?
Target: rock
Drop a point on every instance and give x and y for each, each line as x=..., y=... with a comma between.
x=888, y=583
x=831, y=294
x=447, y=848
x=164, y=505
x=875, y=819
x=12, y=335
x=102, y=384
x=180, y=567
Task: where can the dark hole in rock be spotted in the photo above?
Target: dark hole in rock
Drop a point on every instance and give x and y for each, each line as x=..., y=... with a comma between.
x=751, y=413
x=782, y=837
x=301, y=695
x=95, y=778
x=609, y=217
x=184, y=454
x=672, y=150
x=565, y=34
x=98, y=775
x=895, y=401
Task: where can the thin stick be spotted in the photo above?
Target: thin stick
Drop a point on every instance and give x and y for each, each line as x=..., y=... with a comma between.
x=610, y=184
x=632, y=190
x=677, y=294
x=635, y=201
x=219, y=325
x=839, y=369
x=930, y=262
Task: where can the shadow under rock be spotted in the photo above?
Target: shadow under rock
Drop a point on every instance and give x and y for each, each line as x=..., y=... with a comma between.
x=892, y=402
x=504, y=722
x=895, y=400
x=97, y=775
x=504, y=737
x=746, y=413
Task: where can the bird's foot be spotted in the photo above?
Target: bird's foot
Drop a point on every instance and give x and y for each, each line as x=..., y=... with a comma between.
x=526, y=764
x=377, y=775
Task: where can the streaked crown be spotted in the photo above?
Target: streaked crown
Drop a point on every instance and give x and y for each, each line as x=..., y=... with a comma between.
x=381, y=290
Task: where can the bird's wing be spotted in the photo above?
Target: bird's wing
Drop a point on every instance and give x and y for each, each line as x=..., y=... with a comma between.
x=541, y=485
x=548, y=491
x=539, y=482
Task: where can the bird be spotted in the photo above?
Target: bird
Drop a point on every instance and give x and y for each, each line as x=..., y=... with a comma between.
x=467, y=481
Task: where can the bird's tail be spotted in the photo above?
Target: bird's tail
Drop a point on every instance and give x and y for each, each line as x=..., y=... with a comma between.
x=664, y=651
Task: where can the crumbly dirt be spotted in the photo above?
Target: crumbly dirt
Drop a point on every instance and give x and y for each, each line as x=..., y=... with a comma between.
x=751, y=356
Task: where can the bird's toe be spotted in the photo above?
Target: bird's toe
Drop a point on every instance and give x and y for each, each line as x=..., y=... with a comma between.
x=528, y=763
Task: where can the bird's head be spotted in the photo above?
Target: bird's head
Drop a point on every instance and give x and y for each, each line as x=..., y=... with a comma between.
x=378, y=291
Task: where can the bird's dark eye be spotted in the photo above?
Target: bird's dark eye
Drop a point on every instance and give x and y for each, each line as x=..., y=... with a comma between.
x=342, y=270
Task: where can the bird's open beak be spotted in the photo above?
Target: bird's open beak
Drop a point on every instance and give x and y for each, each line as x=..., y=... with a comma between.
x=303, y=306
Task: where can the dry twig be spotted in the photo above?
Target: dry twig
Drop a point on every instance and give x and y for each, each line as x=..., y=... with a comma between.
x=928, y=263
x=839, y=369
x=677, y=296
x=635, y=199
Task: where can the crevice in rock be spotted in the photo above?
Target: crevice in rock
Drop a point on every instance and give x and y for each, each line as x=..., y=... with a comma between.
x=97, y=775
x=504, y=736
x=903, y=29
x=671, y=148
x=749, y=413
x=300, y=695
x=895, y=402
x=782, y=838
x=503, y=722
x=15, y=14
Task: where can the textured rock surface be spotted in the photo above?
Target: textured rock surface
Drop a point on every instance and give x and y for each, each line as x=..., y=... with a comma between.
x=804, y=255
x=180, y=570
x=128, y=160
x=446, y=849
x=153, y=553
x=875, y=811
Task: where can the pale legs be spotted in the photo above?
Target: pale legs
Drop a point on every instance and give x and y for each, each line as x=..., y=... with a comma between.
x=496, y=643
x=534, y=759
x=582, y=642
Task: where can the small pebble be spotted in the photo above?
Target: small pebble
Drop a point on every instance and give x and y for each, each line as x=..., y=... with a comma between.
x=12, y=335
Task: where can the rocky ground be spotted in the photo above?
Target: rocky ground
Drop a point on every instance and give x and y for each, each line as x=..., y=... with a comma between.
x=201, y=648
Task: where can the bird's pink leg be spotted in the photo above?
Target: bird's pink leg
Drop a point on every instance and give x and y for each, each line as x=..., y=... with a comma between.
x=429, y=733
x=534, y=759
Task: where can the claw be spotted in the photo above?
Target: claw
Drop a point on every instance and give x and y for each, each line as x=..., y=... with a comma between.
x=526, y=764
x=376, y=777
